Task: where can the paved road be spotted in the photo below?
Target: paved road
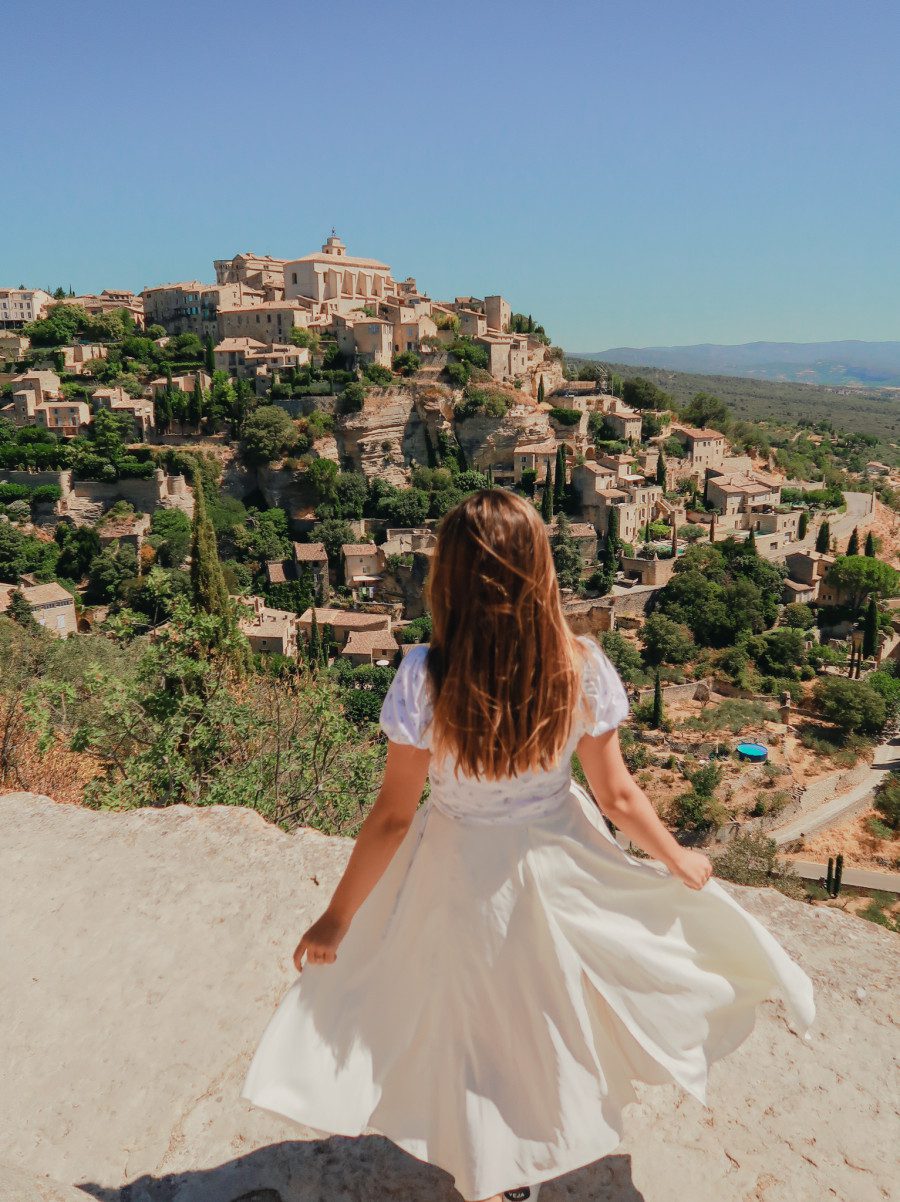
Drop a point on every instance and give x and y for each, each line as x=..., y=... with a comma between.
x=887, y=758
x=864, y=878
x=856, y=516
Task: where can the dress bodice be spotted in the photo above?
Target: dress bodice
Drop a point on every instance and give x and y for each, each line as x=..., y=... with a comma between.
x=406, y=718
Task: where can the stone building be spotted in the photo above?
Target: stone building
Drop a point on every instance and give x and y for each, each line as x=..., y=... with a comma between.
x=344, y=281
x=51, y=606
x=19, y=306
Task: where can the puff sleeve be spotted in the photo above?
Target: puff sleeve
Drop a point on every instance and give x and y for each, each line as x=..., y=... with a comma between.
x=406, y=710
x=606, y=702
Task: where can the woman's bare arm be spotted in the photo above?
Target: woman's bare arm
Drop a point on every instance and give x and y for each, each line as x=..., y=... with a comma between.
x=626, y=804
x=379, y=837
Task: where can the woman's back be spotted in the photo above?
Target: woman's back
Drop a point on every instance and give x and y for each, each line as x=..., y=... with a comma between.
x=406, y=717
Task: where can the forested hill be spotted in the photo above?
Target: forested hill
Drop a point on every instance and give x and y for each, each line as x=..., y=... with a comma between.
x=863, y=411
x=847, y=363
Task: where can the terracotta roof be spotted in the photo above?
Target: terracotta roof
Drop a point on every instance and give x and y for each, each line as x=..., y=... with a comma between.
x=239, y=344
x=275, y=573
x=310, y=553
x=360, y=549
x=336, y=261
x=526, y=448
x=362, y=642
x=349, y=619
x=695, y=432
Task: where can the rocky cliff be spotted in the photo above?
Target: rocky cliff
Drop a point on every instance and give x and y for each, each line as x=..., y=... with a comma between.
x=143, y=953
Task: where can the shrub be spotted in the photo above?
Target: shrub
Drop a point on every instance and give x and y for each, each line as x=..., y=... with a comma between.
x=378, y=374
x=852, y=705
x=887, y=802
x=407, y=363
x=565, y=417
x=481, y=402
x=751, y=860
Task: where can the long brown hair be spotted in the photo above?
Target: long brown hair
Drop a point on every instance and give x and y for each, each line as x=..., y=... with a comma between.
x=503, y=664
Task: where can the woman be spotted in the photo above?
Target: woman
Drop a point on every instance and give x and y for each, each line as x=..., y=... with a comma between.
x=493, y=971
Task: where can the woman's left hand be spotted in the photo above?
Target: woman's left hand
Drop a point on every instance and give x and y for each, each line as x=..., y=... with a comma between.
x=320, y=942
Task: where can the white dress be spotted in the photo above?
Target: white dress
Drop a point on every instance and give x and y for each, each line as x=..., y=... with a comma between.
x=512, y=972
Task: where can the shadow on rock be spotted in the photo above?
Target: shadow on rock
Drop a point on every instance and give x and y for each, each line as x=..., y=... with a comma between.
x=366, y=1169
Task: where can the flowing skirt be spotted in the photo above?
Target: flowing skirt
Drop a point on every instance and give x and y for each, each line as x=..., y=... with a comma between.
x=502, y=987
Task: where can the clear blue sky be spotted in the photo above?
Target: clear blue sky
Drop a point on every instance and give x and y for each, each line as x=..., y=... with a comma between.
x=630, y=171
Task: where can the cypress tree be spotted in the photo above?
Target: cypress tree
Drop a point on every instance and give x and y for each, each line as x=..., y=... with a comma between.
x=661, y=471
x=751, y=542
x=829, y=876
x=559, y=479
x=870, y=629
x=209, y=357
x=870, y=545
x=207, y=582
x=803, y=524
x=823, y=538
x=195, y=409
x=314, y=650
x=838, y=873
x=612, y=529
x=658, y=714
x=853, y=544
x=540, y=395
x=490, y=475
x=547, y=497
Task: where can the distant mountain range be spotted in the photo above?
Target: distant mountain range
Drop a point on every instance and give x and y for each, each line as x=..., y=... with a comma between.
x=836, y=364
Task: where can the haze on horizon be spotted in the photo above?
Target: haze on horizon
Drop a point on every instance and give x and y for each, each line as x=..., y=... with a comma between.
x=634, y=175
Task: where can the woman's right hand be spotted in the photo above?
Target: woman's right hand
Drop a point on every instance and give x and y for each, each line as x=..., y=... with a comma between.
x=320, y=942
x=691, y=867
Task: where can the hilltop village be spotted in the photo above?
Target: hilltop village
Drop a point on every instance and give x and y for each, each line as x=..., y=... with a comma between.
x=741, y=578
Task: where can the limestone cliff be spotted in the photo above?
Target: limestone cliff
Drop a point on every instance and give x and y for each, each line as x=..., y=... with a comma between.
x=145, y=951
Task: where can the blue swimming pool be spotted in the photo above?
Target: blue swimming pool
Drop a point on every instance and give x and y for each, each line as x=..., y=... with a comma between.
x=754, y=752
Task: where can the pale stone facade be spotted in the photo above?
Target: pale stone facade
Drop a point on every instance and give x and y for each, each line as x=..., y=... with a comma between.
x=141, y=410
x=343, y=281
x=269, y=321
x=51, y=606
x=18, y=306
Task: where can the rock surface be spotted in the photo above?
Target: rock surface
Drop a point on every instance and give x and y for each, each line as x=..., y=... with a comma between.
x=143, y=953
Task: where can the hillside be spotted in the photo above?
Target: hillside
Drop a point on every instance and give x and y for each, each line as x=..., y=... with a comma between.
x=150, y=948
x=859, y=411
x=841, y=364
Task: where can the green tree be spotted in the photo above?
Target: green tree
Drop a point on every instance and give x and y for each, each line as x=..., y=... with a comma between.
x=870, y=545
x=852, y=705
x=640, y=393
x=207, y=582
x=333, y=533
x=20, y=611
x=547, y=497
x=314, y=648
x=170, y=531
x=853, y=543
x=659, y=717
x=665, y=641
x=612, y=528
x=798, y=615
x=823, y=538
x=661, y=471
x=195, y=405
x=267, y=433
x=858, y=577
x=803, y=524
x=567, y=557
x=870, y=629
x=705, y=410
x=559, y=478
x=209, y=354
x=540, y=392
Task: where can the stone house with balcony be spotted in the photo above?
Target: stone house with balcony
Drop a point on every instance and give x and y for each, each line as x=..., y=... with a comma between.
x=741, y=493
x=363, y=565
x=363, y=339
x=343, y=622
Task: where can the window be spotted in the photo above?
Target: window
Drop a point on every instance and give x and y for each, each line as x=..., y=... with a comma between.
x=294, y=274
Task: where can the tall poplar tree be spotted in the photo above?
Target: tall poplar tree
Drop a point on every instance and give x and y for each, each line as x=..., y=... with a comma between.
x=870, y=629
x=823, y=538
x=547, y=497
x=559, y=479
x=803, y=524
x=661, y=471
x=207, y=581
x=870, y=545
x=853, y=544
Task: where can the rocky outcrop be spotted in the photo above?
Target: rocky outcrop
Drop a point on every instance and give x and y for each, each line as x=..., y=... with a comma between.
x=391, y=431
x=490, y=441
x=145, y=951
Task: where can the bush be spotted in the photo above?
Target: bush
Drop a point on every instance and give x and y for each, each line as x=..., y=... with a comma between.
x=407, y=363
x=852, y=705
x=458, y=373
x=268, y=433
x=351, y=399
x=887, y=802
x=378, y=374
x=565, y=417
x=481, y=402
x=751, y=860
